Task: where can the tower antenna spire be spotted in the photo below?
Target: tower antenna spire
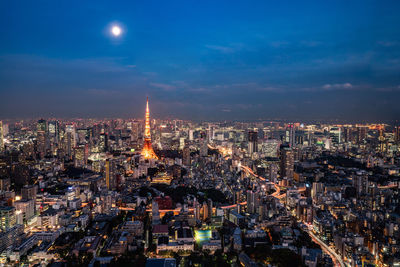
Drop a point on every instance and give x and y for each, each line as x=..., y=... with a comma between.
x=147, y=150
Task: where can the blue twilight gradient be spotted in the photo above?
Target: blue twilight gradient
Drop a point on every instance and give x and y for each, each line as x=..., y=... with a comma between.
x=201, y=59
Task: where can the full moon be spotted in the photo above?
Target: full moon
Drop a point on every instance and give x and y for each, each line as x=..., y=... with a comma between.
x=116, y=31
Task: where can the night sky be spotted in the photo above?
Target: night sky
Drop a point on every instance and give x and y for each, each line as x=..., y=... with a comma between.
x=201, y=60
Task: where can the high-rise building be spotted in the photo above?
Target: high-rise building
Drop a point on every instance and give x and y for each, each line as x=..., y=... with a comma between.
x=196, y=209
x=190, y=135
x=252, y=142
x=317, y=189
x=82, y=135
x=27, y=208
x=210, y=207
x=147, y=151
x=28, y=201
x=360, y=182
x=54, y=130
x=210, y=133
x=41, y=143
x=110, y=174
x=252, y=201
x=103, y=142
x=362, y=133
x=8, y=218
x=1, y=136
x=287, y=162
x=70, y=139
x=5, y=184
x=205, y=211
x=186, y=156
x=270, y=148
x=396, y=134
x=81, y=154
x=134, y=127
x=335, y=135
x=41, y=125
x=348, y=134
x=290, y=135
x=6, y=129
x=155, y=213
x=28, y=192
x=41, y=137
x=203, y=144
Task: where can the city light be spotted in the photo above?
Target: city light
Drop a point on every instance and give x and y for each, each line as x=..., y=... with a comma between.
x=202, y=235
x=273, y=138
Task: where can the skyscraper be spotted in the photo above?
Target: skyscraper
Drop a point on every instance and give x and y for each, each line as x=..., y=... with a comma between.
x=1, y=136
x=335, y=135
x=348, y=134
x=42, y=125
x=109, y=174
x=186, y=156
x=287, y=162
x=210, y=207
x=147, y=151
x=70, y=139
x=362, y=133
x=252, y=142
x=81, y=154
x=54, y=130
x=252, y=201
x=103, y=142
x=290, y=135
x=396, y=134
x=41, y=137
x=203, y=144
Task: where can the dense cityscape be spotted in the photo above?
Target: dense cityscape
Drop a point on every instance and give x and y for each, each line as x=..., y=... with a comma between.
x=200, y=133
x=179, y=193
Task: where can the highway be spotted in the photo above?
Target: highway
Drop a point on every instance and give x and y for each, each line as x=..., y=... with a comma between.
x=337, y=260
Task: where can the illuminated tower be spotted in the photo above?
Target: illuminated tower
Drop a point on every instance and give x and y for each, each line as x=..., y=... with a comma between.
x=147, y=151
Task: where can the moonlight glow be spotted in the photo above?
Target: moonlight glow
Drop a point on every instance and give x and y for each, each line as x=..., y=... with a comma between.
x=116, y=31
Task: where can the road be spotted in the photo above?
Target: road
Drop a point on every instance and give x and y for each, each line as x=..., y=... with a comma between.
x=337, y=260
x=277, y=192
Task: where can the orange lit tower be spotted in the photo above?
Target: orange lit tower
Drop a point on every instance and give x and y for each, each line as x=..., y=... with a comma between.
x=147, y=151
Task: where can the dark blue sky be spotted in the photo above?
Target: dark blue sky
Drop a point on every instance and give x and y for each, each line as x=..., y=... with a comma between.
x=201, y=59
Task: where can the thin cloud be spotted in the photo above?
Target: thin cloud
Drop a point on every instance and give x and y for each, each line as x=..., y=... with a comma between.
x=222, y=49
x=389, y=43
x=310, y=43
x=163, y=86
x=278, y=44
x=102, y=92
x=336, y=86
x=228, y=49
x=389, y=89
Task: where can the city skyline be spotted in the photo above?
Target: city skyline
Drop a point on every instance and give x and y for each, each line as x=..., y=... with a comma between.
x=202, y=61
x=200, y=133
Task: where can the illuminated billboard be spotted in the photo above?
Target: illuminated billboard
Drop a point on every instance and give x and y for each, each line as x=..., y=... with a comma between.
x=202, y=236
